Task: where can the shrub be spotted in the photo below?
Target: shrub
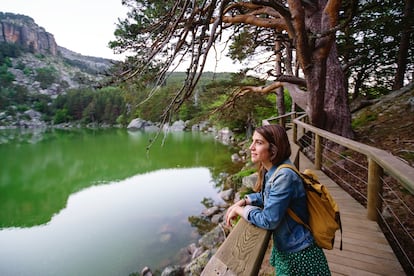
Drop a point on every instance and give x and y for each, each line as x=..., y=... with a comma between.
x=46, y=76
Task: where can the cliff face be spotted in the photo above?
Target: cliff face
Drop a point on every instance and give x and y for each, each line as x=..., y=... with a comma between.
x=39, y=51
x=22, y=30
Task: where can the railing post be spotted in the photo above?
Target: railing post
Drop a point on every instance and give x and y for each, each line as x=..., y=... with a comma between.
x=318, y=152
x=374, y=189
x=295, y=129
x=305, y=120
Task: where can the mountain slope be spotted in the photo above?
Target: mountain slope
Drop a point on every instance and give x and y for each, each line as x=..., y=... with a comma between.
x=33, y=51
x=388, y=124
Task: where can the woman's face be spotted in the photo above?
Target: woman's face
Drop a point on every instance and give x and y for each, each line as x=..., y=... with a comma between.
x=260, y=150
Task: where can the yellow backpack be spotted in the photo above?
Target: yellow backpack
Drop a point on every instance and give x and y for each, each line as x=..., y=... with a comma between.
x=324, y=217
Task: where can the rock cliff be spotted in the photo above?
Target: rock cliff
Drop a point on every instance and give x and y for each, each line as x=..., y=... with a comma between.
x=38, y=51
x=22, y=30
x=35, y=69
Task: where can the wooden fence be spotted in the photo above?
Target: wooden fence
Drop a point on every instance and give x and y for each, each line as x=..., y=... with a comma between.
x=379, y=161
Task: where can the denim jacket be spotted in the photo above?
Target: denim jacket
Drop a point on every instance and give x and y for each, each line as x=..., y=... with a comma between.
x=268, y=209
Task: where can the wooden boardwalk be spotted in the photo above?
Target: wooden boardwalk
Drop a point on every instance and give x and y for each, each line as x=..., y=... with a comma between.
x=366, y=251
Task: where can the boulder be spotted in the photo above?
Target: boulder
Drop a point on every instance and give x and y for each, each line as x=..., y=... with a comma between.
x=225, y=135
x=197, y=265
x=178, y=126
x=227, y=194
x=213, y=238
x=235, y=158
x=175, y=270
x=137, y=123
x=250, y=180
x=211, y=211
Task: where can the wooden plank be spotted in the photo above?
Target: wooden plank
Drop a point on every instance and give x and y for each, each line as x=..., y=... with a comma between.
x=216, y=267
x=386, y=260
x=241, y=253
x=366, y=236
x=378, y=268
x=340, y=269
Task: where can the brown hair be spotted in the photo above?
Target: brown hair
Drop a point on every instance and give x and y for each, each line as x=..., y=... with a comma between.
x=279, y=148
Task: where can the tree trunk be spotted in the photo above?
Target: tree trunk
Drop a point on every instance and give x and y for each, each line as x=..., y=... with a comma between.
x=315, y=82
x=404, y=45
x=325, y=79
x=338, y=114
x=280, y=97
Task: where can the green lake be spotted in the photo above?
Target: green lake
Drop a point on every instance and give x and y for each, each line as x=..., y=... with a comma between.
x=99, y=202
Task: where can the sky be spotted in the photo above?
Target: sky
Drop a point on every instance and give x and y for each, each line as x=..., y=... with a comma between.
x=85, y=26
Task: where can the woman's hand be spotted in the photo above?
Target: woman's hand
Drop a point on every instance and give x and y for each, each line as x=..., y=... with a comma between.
x=235, y=210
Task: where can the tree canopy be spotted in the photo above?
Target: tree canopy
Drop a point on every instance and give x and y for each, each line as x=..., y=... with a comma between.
x=313, y=43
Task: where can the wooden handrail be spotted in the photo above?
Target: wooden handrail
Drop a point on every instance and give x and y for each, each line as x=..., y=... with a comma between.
x=241, y=253
x=379, y=161
x=391, y=164
x=279, y=118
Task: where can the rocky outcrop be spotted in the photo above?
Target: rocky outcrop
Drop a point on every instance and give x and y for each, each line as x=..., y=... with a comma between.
x=22, y=30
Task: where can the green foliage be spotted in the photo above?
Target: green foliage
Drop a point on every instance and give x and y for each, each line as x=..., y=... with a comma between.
x=27, y=71
x=370, y=43
x=237, y=180
x=61, y=116
x=105, y=105
x=244, y=112
x=39, y=55
x=16, y=98
x=42, y=104
x=189, y=110
x=207, y=202
x=13, y=96
x=212, y=92
x=375, y=92
x=46, y=76
x=243, y=45
x=7, y=51
x=121, y=120
x=6, y=78
x=245, y=172
x=363, y=119
x=21, y=66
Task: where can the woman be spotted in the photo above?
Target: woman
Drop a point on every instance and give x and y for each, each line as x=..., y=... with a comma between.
x=294, y=250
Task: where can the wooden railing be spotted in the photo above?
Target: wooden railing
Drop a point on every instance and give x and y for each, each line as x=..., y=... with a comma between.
x=241, y=253
x=379, y=161
x=243, y=250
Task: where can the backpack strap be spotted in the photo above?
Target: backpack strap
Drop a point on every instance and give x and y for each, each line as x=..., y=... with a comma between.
x=296, y=218
x=291, y=213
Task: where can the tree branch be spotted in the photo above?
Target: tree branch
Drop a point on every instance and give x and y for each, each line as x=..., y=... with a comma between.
x=300, y=37
x=240, y=92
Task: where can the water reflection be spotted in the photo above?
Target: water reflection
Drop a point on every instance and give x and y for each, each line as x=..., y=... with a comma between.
x=37, y=179
x=112, y=229
x=94, y=202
